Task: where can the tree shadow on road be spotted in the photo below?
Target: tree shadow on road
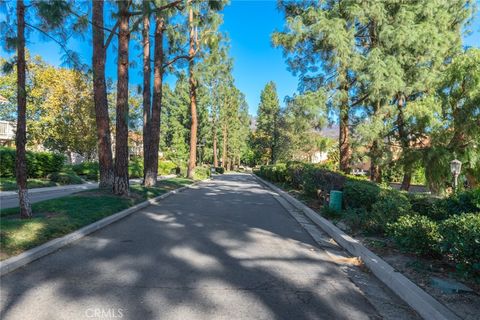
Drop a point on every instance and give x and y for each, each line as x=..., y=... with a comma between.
x=225, y=249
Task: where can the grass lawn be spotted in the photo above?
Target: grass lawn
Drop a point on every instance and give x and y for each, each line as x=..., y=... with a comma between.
x=57, y=217
x=7, y=184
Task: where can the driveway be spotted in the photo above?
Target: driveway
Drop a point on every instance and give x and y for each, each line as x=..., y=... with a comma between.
x=224, y=249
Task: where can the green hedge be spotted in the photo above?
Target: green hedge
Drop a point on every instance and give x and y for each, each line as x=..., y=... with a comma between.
x=135, y=168
x=39, y=164
x=202, y=173
x=417, y=234
x=461, y=242
x=87, y=169
x=65, y=178
x=90, y=170
x=360, y=194
x=307, y=177
x=417, y=223
x=166, y=167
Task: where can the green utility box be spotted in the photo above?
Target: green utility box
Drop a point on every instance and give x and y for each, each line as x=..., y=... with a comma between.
x=335, y=200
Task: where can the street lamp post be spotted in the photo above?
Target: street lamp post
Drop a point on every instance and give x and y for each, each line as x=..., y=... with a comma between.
x=455, y=168
x=201, y=145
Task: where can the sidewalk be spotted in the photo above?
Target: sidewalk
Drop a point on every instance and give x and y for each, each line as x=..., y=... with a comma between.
x=9, y=199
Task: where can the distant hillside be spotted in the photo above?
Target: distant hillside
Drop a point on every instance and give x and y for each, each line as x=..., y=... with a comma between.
x=330, y=132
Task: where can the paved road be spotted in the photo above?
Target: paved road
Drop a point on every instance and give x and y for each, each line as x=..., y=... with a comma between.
x=9, y=199
x=225, y=249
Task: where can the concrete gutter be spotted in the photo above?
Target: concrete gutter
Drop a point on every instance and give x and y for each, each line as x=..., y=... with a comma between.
x=51, y=246
x=420, y=301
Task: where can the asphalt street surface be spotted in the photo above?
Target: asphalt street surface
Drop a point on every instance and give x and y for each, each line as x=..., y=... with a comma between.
x=223, y=249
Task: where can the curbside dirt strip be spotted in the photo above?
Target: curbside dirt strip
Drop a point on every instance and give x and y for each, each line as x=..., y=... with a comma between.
x=420, y=301
x=51, y=246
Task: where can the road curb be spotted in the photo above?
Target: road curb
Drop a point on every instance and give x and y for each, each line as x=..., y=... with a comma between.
x=51, y=246
x=419, y=300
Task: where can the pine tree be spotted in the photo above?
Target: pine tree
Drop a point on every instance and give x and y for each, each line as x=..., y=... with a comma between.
x=319, y=42
x=121, y=181
x=105, y=160
x=268, y=117
x=52, y=16
x=21, y=133
x=203, y=23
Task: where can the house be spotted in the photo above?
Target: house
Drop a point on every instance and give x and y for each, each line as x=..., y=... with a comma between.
x=7, y=133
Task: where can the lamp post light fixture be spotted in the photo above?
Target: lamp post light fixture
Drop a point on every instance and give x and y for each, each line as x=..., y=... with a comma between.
x=455, y=168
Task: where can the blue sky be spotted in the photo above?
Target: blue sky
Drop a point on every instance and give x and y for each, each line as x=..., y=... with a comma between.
x=249, y=25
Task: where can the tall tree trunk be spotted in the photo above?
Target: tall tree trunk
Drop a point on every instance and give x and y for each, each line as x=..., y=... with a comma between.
x=21, y=134
x=121, y=183
x=146, y=88
x=224, y=148
x=404, y=142
x=193, y=100
x=214, y=133
x=215, y=156
x=104, y=143
x=152, y=167
x=273, y=148
x=344, y=137
x=375, y=171
x=375, y=153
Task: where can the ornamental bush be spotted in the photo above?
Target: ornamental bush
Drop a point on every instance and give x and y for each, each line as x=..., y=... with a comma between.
x=202, y=173
x=428, y=206
x=89, y=170
x=274, y=173
x=135, y=168
x=318, y=178
x=65, y=178
x=390, y=205
x=7, y=162
x=462, y=202
x=166, y=167
x=360, y=194
x=416, y=233
x=461, y=242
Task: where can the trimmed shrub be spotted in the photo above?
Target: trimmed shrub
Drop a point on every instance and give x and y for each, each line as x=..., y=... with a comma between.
x=135, y=168
x=89, y=170
x=461, y=241
x=390, y=205
x=202, y=173
x=166, y=167
x=462, y=202
x=294, y=173
x=428, y=206
x=65, y=178
x=417, y=234
x=357, y=219
x=360, y=194
x=39, y=164
x=316, y=178
x=7, y=162
x=274, y=173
